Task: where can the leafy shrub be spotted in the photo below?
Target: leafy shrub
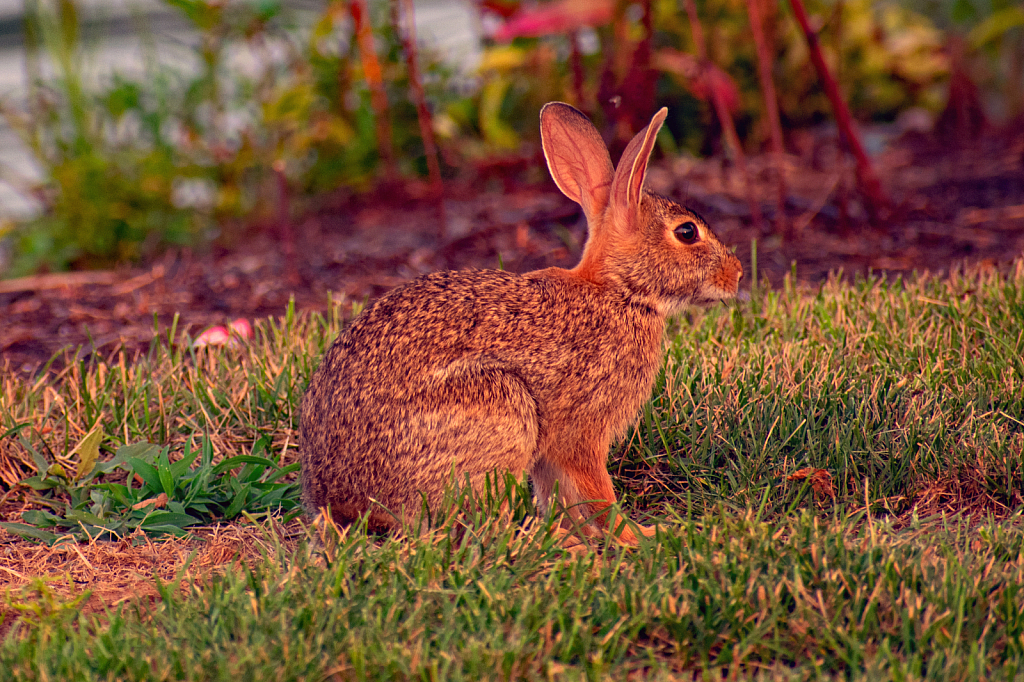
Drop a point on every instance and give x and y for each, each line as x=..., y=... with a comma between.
x=178, y=156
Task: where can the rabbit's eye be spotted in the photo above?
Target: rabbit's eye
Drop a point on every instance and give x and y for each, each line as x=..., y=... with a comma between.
x=687, y=232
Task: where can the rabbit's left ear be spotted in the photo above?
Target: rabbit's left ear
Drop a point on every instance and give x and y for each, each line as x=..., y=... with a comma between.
x=628, y=183
x=577, y=158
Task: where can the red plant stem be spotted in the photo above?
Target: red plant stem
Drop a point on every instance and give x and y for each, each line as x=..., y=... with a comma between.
x=771, y=105
x=576, y=60
x=375, y=79
x=641, y=79
x=284, y=222
x=878, y=202
x=407, y=29
x=732, y=138
x=696, y=29
x=609, y=95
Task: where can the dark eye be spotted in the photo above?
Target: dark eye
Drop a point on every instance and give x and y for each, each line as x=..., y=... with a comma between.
x=687, y=232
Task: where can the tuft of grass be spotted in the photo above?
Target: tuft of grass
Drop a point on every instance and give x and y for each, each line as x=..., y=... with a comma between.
x=890, y=394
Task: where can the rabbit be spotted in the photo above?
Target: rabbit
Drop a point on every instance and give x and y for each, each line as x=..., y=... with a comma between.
x=470, y=372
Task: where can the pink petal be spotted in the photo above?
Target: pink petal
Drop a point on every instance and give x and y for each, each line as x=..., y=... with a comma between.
x=556, y=17
x=214, y=336
x=242, y=328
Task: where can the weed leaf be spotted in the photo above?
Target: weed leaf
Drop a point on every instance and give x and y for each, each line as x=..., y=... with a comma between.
x=147, y=472
x=232, y=462
x=29, y=532
x=39, y=517
x=88, y=451
x=146, y=452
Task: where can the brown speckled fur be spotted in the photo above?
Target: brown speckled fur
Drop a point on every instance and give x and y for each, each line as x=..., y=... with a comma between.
x=475, y=371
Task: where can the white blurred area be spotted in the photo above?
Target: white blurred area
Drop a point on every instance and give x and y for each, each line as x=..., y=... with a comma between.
x=449, y=29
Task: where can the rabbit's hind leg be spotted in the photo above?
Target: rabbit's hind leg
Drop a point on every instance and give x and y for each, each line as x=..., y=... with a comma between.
x=470, y=423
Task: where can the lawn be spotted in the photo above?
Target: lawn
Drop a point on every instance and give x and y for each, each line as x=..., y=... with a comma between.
x=837, y=472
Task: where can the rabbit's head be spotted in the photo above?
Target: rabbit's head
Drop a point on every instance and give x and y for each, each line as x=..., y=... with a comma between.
x=663, y=253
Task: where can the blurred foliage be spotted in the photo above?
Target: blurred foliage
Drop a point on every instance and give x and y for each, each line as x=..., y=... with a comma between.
x=184, y=154
x=994, y=32
x=887, y=58
x=187, y=153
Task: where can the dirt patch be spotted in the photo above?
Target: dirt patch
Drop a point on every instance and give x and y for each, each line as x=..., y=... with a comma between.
x=106, y=574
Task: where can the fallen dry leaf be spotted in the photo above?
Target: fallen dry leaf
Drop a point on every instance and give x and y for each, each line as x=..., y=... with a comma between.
x=821, y=481
x=158, y=502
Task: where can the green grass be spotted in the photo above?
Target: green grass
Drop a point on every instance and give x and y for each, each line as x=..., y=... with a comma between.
x=175, y=394
x=905, y=398
x=794, y=598
x=912, y=390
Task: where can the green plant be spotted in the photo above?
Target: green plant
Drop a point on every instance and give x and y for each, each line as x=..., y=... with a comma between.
x=134, y=164
x=157, y=497
x=105, y=199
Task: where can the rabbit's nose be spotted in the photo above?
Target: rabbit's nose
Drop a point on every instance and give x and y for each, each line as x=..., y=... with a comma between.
x=738, y=267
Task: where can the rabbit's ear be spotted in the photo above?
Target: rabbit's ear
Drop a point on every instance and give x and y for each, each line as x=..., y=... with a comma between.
x=632, y=169
x=577, y=157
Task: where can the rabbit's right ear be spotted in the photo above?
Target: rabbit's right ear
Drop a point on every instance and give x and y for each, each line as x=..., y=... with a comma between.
x=577, y=158
x=627, y=187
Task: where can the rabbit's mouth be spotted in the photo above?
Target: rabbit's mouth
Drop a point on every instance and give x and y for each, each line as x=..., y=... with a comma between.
x=715, y=294
x=712, y=297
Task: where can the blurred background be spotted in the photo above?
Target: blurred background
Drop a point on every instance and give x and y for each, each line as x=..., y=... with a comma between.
x=223, y=156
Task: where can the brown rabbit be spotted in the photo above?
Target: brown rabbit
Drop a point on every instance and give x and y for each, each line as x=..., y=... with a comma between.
x=470, y=372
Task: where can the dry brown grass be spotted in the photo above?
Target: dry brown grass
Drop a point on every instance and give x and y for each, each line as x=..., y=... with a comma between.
x=108, y=574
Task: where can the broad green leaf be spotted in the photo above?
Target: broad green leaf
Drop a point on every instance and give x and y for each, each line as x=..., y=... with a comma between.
x=79, y=516
x=39, y=483
x=261, y=445
x=29, y=532
x=237, y=504
x=37, y=459
x=39, y=517
x=284, y=471
x=232, y=462
x=166, y=480
x=164, y=528
x=180, y=468
x=147, y=472
x=88, y=451
x=169, y=518
x=146, y=452
x=118, y=492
